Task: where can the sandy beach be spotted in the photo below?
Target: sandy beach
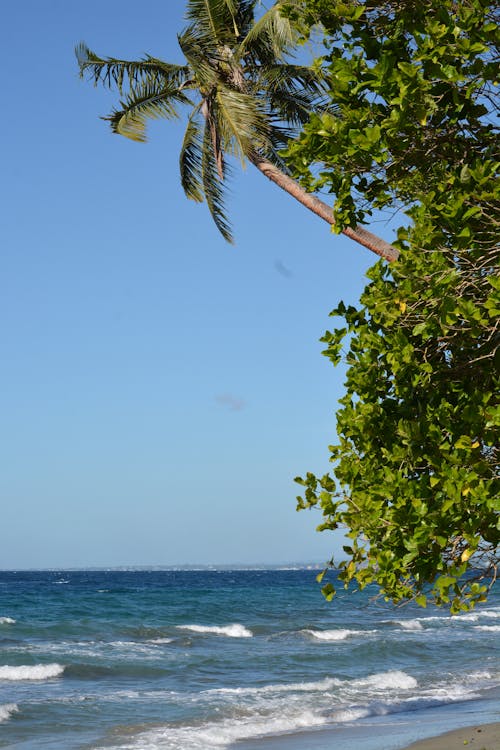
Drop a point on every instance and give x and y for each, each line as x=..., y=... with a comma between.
x=485, y=737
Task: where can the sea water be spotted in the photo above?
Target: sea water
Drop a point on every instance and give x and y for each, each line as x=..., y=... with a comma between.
x=247, y=659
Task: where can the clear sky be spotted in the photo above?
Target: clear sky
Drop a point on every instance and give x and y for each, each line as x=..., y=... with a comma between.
x=159, y=389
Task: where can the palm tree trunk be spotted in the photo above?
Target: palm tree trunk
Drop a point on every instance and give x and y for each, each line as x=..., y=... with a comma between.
x=321, y=209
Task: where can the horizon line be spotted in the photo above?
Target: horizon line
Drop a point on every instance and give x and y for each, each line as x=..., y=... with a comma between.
x=172, y=567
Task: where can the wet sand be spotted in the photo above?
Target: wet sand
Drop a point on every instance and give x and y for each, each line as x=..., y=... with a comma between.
x=479, y=737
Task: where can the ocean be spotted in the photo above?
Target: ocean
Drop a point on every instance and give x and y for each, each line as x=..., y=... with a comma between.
x=243, y=659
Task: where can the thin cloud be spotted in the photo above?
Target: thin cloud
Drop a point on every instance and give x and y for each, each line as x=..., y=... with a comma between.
x=233, y=403
x=282, y=269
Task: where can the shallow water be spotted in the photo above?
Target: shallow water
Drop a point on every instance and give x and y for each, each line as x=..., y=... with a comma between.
x=188, y=660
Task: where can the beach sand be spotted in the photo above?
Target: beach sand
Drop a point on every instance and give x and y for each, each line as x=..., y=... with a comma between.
x=479, y=737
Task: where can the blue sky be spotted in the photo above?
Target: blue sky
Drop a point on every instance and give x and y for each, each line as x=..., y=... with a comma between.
x=159, y=388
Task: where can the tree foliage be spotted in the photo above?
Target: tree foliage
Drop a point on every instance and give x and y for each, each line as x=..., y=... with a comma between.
x=416, y=465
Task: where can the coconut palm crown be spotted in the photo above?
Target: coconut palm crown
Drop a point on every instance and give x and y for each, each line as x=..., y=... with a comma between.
x=246, y=96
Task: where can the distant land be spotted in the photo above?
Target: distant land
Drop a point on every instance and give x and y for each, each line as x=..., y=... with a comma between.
x=186, y=566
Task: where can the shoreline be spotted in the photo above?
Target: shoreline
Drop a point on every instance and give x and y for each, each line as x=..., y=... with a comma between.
x=475, y=737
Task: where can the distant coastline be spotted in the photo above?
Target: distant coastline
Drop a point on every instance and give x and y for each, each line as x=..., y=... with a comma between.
x=182, y=567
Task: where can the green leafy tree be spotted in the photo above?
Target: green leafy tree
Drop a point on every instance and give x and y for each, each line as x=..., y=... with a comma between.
x=415, y=481
x=247, y=98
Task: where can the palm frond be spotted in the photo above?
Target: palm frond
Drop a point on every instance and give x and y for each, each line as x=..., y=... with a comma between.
x=213, y=187
x=199, y=55
x=190, y=159
x=241, y=121
x=294, y=110
x=270, y=38
x=292, y=78
x=214, y=19
x=111, y=71
x=292, y=92
x=145, y=102
x=245, y=17
x=278, y=141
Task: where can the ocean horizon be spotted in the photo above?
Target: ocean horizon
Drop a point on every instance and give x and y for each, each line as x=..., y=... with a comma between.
x=246, y=657
x=172, y=567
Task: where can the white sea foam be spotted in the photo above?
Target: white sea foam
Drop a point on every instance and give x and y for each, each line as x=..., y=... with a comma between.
x=387, y=680
x=7, y=710
x=116, y=650
x=490, y=613
x=350, y=714
x=493, y=612
x=35, y=672
x=469, y=617
x=448, y=619
x=221, y=734
x=410, y=624
x=380, y=695
x=419, y=623
x=479, y=676
x=160, y=641
x=278, y=709
x=332, y=635
x=397, y=704
x=364, y=686
x=491, y=628
x=268, y=715
x=439, y=695
x=130, y=650
x=130, y=646
x=294, y=687
x=231, y=631
x=7, y=621
x=454, y=688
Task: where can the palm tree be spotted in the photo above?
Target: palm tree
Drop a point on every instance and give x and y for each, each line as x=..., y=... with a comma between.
x=246, y=98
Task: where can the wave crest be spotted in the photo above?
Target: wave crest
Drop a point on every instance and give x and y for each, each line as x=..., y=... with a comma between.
x=35, y=672
x=231, y=631
x=387, y=680
x=7, y=710
x=332, y=635
x=223, y=734
x=410, y=624
x=295, y=687
x=351, y=714
x=491, y=628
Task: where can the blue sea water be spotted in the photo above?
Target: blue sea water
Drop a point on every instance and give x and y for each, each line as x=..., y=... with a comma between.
x=243, y=659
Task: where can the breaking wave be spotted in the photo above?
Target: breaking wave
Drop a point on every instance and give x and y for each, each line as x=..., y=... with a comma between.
x=231, y=631
x=388, y=680
x=221, y=734
x=7, y=710
x=332, y=635
x=35, y=672
x=295, y=687
x=491, y=628
x=410, y=624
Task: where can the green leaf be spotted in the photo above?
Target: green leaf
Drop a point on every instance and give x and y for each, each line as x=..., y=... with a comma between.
x=328, y=592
